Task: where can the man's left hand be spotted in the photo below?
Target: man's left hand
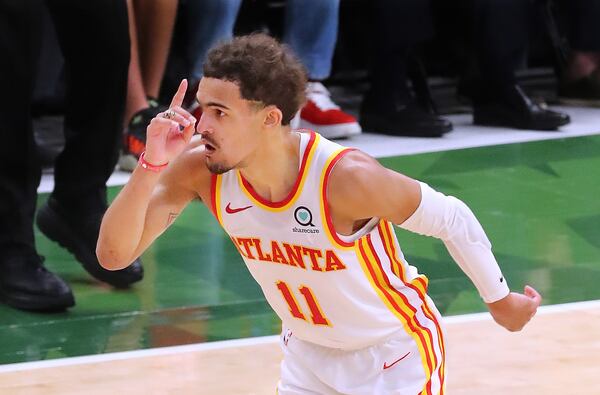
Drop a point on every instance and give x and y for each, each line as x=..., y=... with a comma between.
x=515, y=310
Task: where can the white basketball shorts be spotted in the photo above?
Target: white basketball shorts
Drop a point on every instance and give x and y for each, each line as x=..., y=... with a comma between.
x=398, y=365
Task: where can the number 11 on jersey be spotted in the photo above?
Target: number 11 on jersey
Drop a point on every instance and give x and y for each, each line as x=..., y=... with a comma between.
x=316, y=315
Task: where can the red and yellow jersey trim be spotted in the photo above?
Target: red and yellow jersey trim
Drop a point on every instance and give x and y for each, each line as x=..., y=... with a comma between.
x=325, y=214
x=399, y=305
x=285, y=204
x=215, y=194
x=418, y=284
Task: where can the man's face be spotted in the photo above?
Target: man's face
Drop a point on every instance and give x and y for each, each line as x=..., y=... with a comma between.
x=231, y=126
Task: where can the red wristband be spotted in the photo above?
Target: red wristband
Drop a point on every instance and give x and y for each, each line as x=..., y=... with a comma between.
x=149, y=166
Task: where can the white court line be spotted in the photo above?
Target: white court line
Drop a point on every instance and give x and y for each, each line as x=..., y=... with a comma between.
x=585, y=122
x=253, y=341
x=542, y=310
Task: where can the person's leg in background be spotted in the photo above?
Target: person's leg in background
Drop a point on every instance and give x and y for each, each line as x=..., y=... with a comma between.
x=209, y=21
x=150, y=31
x=500, y=40
x=200, y=24
x=94, y=39
x=155, y=21
x=24, y=282
x=580, y=83
x=311, y=31
x=137, y=100
x=389, y=106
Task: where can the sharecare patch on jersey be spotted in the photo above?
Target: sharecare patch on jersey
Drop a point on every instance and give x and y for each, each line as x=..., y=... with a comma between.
x=288, y=254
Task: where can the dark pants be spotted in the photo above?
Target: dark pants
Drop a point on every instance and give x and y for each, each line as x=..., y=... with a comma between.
x=398, y=25
x=500, y=34
x=497, y=34
x=583, y=18
x=500, y=38
x=94, y=39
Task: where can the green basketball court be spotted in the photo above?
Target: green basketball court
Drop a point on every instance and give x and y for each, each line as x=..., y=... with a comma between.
x=538, y=201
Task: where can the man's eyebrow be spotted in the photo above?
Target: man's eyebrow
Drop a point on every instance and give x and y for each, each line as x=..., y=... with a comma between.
x=212, y=104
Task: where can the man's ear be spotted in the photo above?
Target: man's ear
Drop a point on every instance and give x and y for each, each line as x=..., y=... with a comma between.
x=273, y=116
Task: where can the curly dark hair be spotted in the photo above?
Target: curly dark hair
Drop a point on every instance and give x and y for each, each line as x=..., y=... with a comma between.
x=265, y=70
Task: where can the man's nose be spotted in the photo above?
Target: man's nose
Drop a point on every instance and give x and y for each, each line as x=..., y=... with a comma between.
x=202, y=125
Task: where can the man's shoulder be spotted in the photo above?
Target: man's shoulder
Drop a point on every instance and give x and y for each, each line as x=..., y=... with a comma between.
x=351, y=176
x=354, y=166
x=351, y=186
x=362, y=188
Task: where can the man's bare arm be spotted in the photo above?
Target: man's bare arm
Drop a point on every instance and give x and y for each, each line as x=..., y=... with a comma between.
x=144, y=209
x=150, y=201
x=358, y=179
x=361, y=188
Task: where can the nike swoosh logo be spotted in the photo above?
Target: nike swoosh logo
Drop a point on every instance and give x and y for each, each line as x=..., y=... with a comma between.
x=386, y=366
x=230, y=210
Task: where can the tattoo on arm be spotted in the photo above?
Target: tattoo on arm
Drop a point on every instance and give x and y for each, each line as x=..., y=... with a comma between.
x=172, y=217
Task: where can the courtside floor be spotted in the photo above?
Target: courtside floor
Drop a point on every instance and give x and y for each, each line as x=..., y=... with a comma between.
x=536, y=194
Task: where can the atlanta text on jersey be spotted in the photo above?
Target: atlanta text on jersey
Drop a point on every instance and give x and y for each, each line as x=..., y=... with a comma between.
x=288, y=254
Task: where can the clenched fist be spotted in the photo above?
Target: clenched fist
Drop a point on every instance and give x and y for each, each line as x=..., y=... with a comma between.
x=515, y=310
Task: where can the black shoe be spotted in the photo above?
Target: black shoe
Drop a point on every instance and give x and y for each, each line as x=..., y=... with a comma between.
x=514, y=109
x=79, y=235
x=582, y=92
x=408, y=120
x=27, y=285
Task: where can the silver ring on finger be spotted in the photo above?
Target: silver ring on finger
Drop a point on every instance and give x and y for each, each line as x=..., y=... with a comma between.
x=170, y=114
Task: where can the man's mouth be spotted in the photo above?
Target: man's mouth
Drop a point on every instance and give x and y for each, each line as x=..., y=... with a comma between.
x=209, y=146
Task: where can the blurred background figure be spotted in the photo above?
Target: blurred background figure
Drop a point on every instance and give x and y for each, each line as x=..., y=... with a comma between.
x=151, y=25
x=310, y=28
x=580, y=79
x=311, y=31
x=106, y=90
x=94, y=40
x=499, y=39
x=495, y=42
x=390, y=106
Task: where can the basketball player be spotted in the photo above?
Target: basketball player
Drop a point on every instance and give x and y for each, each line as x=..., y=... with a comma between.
x=313, y=222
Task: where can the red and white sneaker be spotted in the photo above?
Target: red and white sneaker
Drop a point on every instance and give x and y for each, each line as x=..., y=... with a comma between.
x=322, y=115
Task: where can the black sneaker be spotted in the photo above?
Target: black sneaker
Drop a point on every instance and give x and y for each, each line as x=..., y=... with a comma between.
x=406, y=120
x=27, y=285
x=512, y=108
x=79, y=235
x=135, y=137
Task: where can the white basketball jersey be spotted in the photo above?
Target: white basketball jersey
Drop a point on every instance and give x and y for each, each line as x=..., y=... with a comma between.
x=345, y=292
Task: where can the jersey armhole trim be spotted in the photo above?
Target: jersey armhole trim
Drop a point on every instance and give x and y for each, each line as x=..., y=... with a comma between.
x=215, y=196
x=329, y=228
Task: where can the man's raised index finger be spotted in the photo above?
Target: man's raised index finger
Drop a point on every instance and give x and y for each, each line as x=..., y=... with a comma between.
x=180, y=94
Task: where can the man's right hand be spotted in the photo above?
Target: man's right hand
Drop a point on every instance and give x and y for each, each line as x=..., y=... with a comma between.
x=170, y=131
